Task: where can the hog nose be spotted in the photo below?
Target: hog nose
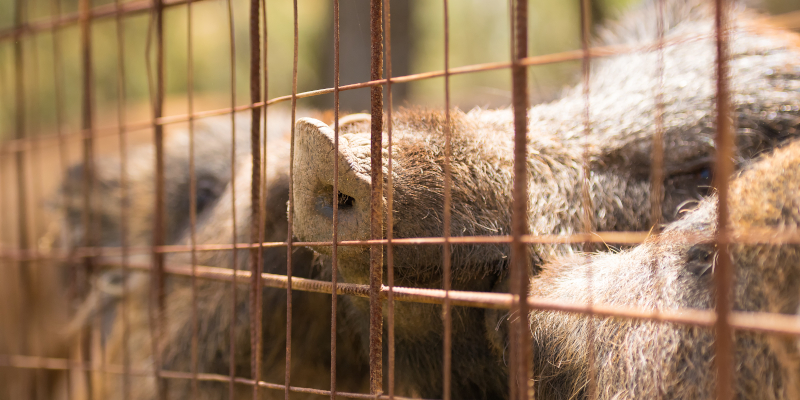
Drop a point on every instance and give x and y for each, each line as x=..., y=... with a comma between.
x=313, y=190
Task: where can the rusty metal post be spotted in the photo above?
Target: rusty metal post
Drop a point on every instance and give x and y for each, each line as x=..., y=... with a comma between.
x=447, y=315
x=387, y=17
x=88, y=161
x=123, y=185
x=290, y=214
x=195, y=343
x=19, y=156
x=520, y=260
x=335, y=194
x=657, y=169
x=723, y=270
x=157, y=318
x=586, y=200
x=19, y=133
x=255, y=196
x=234, y=230
x=25, y=273
x=376, y=202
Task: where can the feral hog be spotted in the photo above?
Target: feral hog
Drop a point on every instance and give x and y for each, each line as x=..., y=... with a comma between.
x=674, y=270
x=137, y=198
x=215, y=315
x=765, y=81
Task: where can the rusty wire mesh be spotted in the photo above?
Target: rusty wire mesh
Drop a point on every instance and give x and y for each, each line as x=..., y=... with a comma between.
x=85, y=258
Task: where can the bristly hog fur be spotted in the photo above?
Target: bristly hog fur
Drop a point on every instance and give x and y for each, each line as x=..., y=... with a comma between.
x=650, y=360
x=110, y=195
x=212, y=173
x=764, y=80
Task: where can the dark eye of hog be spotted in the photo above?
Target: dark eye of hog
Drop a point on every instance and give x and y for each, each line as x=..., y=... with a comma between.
x=208, y=190
x=700, y=259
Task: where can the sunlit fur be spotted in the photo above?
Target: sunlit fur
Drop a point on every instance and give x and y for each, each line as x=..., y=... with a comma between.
x=649, y=360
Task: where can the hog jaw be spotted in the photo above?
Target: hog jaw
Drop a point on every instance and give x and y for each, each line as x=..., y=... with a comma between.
x=313, y=189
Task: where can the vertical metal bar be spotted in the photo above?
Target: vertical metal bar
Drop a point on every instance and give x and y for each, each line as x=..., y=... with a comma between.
x=265, y=153
x=657, y=168
x=35, y=164
x=265, y=159
x=723, y=271
x=290, y=215
x=19, y=129
x=88, y=159
x=264, y=110
x=376, y=202
x=195, y=345
x=387, y=16
x=19, y=159
x=520, y=260
x=446, y=248
x=588, y=209
x=62, y=145
x=91, y=227
x=124, y=217
x=58, y=80
x=192, y=198
x=35, y=145
x=35, y=161
x=235, y=253
x=255, y=196
x=513, y=331
x=157, y=274
x=335, y=200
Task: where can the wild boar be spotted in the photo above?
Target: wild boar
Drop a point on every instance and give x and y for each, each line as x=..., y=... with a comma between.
x=618, y=147
x=312, y=311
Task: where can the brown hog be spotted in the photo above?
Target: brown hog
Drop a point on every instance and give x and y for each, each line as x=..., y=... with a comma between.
x=312, y=311
x=618, y=148
x=649, y=360
x=103, y=302
x=40, y=308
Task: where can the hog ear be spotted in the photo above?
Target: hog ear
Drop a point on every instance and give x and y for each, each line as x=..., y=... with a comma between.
x=313, y=184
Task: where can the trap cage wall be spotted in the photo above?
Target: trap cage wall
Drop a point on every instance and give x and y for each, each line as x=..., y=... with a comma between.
x=24, y=261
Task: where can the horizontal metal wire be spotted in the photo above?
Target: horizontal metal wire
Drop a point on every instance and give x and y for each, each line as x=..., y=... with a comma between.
x=62, y=364
x=24, y=144
x=746, y=321
x=106, y=10
x=789, y=20
x=750, y=236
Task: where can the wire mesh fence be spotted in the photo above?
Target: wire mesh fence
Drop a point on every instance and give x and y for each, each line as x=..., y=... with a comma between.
x=179, y=289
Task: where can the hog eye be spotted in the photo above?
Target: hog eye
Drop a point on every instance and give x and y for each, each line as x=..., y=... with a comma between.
x=208, y=190
x=345, y=201
x=705, y=174
x=700, y=259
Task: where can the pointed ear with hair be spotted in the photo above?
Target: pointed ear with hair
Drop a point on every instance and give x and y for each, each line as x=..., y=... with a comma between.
x=313, y=186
